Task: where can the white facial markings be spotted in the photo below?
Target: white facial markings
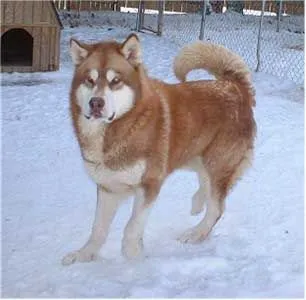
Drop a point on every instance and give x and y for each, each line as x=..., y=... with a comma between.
x=94, y=74
x=119, y=101
x=110, y=75
x=83, y=94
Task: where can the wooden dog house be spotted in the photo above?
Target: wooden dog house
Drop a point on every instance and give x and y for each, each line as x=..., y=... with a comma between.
x=30, y=36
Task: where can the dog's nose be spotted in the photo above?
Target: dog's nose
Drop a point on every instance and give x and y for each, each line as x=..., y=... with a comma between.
x=96, y=103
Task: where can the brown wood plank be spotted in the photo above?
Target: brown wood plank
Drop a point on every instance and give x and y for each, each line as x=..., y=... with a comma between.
x=19, y=10
x=57, y=48
x=45, y=13
x=15, y=25
x=30, y=31
x=3, y=29
x=3, y=5
x=51, y=49
x=50, y=17
x=19, y=69
x=37, y=11
x=44, y=49
x=36, y=48
x=9, y=12
x=7, y=69
x=28, y=12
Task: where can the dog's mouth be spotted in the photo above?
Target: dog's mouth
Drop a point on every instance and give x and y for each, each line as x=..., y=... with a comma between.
x=98, y=115
x=112, y=117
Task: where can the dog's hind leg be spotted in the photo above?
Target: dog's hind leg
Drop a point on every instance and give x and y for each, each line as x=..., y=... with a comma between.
x=202, y=194
x=220, y=184
x=214, y=211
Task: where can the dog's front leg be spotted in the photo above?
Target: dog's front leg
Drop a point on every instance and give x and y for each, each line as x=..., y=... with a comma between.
x=107, y=205
x=132, y=243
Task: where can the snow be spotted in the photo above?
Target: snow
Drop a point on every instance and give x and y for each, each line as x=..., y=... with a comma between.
x=48, y=201
x=224, y=9
x=149, y=11
x=258, y=13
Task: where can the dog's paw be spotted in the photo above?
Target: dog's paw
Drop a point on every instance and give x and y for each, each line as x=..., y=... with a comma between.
x=192, y=236
x=82, y=255
x=132, y=249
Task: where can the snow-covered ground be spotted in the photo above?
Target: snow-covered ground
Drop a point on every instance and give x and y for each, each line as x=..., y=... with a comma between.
x=48, y=201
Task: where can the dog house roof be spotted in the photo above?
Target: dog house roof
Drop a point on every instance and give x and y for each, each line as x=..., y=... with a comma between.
x=56, y=14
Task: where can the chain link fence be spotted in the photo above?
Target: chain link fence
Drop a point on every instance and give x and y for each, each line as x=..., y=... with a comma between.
x=277, y=49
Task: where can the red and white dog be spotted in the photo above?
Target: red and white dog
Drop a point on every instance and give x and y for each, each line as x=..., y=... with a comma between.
x=133, y=131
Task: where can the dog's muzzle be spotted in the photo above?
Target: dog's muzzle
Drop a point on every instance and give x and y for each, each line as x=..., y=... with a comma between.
x=96, y=105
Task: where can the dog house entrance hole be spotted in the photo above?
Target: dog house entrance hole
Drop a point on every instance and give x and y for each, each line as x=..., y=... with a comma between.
x=16, y=48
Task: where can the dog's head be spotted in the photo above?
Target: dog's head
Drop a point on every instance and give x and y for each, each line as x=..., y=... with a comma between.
x=106, y=79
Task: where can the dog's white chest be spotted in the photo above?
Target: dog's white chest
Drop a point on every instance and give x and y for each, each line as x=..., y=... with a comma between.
x=119, y=180
x=114, y=180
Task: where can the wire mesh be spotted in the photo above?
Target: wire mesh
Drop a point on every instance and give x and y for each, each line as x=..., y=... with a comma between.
x=234, y=24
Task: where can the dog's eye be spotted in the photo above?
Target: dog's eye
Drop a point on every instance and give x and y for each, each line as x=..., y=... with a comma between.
x=116, y=80
x=90, y=81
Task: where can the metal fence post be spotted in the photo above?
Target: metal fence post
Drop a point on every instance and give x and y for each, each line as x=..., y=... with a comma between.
x=259, y=35
x=139, y=19
x=142, y=9
x=204, y=7
x=279, y=15
x=161, y=8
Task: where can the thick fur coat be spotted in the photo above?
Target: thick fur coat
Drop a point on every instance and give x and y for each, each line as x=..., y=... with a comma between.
x=134, y=131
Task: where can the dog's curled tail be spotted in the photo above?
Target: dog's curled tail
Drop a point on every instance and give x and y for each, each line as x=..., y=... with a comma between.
x=216, y=59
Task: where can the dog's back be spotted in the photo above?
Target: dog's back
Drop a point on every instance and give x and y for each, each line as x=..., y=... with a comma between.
x=210, y=118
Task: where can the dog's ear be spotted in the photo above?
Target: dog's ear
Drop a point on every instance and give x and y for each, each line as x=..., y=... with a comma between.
x=130, y=49
x=78, y=51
